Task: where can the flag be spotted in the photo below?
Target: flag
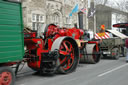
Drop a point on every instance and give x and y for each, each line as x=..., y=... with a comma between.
x=74, y=10
x=91, y=13
x=83, y=10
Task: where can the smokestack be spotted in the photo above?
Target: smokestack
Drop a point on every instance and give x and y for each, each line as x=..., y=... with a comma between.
x=80, y=17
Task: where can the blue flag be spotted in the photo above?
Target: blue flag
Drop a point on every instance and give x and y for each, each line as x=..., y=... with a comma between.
x=74, y=10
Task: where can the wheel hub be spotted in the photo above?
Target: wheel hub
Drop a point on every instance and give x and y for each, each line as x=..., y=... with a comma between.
x=5, y=78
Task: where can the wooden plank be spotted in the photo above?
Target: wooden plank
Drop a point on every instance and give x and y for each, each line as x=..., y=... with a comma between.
x=2, y=33
x=11, y=54
x=9, y=17
x=10, y=43
x=10, y=49
x=10, y=22
x=8, y=5
x=10, y=27
x=8, y=11
x=3, y=39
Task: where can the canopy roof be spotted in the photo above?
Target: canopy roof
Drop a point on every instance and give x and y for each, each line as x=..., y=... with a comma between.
x=121, y=25
x=118, y=34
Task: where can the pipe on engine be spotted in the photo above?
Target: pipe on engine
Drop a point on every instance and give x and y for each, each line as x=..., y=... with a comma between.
x=80, y=17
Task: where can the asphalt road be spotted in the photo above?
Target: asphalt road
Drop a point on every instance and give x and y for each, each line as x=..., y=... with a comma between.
x=106, y=72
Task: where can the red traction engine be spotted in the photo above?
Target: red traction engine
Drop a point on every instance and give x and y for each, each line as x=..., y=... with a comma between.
x=59, y=49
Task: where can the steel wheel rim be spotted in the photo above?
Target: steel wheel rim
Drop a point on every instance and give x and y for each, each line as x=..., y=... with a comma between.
x=115, y=52
x=5, y=78
x=66, y=48
x=94, y=55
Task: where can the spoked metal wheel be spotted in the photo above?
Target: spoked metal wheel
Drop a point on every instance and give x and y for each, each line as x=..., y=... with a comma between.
x=96, y=57
x=69, y=55
x=66, y=55
x=6, y=76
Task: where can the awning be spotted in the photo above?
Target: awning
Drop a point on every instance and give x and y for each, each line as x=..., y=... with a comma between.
x=118, y=34
x=121, y=25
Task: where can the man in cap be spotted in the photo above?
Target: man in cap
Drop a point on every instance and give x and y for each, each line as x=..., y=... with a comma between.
x=102, y=34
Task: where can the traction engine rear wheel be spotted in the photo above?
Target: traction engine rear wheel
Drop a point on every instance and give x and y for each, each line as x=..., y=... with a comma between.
x=68, y=54
x=7, y=76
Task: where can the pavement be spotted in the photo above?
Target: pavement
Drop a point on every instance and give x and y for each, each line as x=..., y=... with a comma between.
x=106, y=72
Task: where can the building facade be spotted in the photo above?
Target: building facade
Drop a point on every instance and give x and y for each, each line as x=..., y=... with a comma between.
x=109, y=16
x=38, y=13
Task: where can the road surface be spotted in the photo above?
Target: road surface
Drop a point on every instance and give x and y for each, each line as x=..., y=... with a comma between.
x=106, y=72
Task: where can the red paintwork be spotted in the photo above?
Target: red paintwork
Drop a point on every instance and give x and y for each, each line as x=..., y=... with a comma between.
x=5, y=78
x=31, y=35
x=116, y=25
x=9, y=63
x=58, y=32
x=94, y=42
x=50, y=44
x=38, y=44
x=53, y=32
x=121, y=25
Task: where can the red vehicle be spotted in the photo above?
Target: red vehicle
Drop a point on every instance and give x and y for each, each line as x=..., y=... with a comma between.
x=56, y=50
x=123, y=27
x=59, y=49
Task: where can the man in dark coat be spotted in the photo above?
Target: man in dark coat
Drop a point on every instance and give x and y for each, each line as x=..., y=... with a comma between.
x=126, y=44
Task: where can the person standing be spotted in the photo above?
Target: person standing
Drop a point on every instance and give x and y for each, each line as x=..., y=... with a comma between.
x=102, y=34
x=126, y=44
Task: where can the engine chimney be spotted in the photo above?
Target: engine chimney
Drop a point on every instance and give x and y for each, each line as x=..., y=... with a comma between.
x=80, y=17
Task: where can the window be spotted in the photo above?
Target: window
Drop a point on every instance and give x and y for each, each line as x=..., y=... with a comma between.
x=37, y=21
x=34, y=25
x=68, y=20
x=41, y=18
x=37, y=17
x=56, y=19
x=33, y=17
